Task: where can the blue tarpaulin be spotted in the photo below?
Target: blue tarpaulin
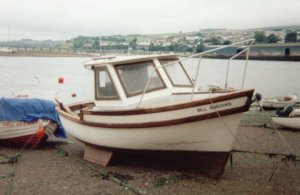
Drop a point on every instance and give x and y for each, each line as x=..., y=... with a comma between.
x=30, y=109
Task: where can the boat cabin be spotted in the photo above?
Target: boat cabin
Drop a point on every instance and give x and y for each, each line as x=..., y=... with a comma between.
x=126, y=80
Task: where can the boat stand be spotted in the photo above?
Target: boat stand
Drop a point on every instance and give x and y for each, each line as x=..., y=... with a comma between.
x=97, y=155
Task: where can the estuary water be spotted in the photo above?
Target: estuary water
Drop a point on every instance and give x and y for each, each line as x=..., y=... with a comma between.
x=38, y=77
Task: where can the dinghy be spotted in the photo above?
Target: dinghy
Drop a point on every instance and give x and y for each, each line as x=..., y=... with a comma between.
x=288, y=117
x=28, y=122
x=278, y=102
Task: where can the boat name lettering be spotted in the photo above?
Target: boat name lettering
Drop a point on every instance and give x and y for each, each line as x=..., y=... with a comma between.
x=15, y=124
x=201, y=109
x=217, y=106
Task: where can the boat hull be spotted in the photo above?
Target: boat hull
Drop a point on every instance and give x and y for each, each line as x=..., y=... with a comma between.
x=289, y=122
x=279, y=102
x=19, y=133
x=205, y=125
x=211, y=164
x=206, y=135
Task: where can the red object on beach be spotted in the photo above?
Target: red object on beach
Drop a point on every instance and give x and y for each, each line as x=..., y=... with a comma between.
x=61, y=80
x=40, y=132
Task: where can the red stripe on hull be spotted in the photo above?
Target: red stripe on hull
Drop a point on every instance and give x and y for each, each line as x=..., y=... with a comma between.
x=31, y=141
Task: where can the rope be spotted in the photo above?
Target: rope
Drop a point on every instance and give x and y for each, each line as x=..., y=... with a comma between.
x=14, y=159
x=277, y=131
x=274, y=127
x=286, y=156
x=13, y=169
x=220, y=117
x=289, y=157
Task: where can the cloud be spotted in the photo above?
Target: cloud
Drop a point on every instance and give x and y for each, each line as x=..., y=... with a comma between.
x=56, y=19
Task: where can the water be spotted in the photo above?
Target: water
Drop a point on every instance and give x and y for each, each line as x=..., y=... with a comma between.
x=38, y=77
x=269, y=78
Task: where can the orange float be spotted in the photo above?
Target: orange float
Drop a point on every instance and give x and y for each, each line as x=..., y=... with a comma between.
x=40, y=132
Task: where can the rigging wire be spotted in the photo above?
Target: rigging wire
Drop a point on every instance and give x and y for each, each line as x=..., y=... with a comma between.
x=292, y=153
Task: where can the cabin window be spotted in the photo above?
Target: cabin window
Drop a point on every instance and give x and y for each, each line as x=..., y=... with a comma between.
x=134, y=78
x=176, y=73
x=105, y=88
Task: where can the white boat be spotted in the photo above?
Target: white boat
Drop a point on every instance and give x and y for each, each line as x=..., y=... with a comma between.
x=28, y=134
x=289, y=122
x=5, y=50
x=151, y=103
x=28, y=122
x=289, y=117
x=295, y=112
x=278, y=102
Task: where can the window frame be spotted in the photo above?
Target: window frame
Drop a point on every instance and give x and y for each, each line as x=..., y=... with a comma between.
x=184, y=71
x=116, y=66
x=96, y=71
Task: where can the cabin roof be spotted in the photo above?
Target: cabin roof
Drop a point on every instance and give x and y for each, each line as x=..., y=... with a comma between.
x=102, y=61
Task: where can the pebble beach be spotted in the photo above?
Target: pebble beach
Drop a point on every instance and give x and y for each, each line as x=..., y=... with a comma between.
x=58, y=168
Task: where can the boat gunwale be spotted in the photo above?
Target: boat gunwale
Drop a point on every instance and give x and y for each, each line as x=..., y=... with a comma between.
x=179, y=106
x=198, y=117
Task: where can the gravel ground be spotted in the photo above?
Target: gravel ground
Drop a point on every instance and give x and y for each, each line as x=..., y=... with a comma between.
x=58, y=168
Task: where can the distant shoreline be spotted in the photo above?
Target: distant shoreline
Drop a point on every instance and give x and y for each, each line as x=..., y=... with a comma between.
x=72, y=54
x=44, y=54
x=258, y=57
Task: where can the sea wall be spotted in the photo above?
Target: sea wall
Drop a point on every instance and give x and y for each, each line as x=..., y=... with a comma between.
x=281, y=52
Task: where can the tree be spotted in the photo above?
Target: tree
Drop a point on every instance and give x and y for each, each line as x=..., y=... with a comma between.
x=133, y=43
x=200, y=48
x=227, y=42
x=189, y=49
x=260, y=37
x=290, y=37
x=272, y=38
x=215, y=41
x=96, y=44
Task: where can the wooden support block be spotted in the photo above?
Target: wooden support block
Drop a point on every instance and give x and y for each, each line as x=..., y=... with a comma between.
x=97, y=155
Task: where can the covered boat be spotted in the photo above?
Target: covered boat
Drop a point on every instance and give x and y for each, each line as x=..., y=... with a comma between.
x=152, y=104
x=28, y=122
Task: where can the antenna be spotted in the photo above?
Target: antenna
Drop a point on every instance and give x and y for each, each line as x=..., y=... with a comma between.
x=8, y=33
x=100, y=43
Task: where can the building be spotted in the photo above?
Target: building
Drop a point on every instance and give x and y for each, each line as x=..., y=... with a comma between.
x=288, y=51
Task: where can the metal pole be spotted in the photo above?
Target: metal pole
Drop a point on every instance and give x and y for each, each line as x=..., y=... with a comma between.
x=245, y=69
x=196, y=77
x=100, y=44
x=228, y=65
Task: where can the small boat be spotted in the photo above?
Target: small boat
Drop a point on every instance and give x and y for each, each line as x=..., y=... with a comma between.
x=289, y=122
x=278, y=102
x=151, y=104
x=28, y=122
x=295, y=112
x=288, y=117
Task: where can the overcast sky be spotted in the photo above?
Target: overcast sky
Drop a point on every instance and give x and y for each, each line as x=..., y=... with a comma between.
x=65, y=19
